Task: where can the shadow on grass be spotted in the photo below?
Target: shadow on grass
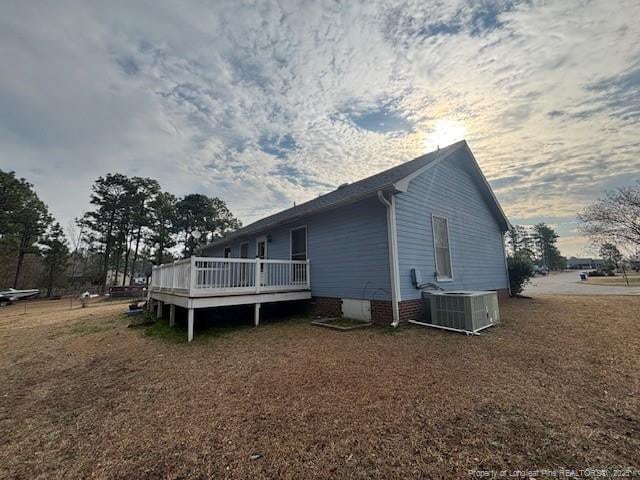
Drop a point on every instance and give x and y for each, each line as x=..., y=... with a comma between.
x=178, y=334
x=222, y=322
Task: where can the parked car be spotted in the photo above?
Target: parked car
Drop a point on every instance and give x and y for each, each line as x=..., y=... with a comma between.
x=537, y=270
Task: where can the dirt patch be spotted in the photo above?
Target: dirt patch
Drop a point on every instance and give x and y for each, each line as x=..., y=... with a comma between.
x=556, y=384
x=341, y=323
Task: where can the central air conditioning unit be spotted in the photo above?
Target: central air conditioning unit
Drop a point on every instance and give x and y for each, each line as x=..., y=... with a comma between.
x=460, y=311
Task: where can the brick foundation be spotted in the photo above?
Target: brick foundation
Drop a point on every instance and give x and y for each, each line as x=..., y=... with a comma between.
x=330, y=306
x=503, y=293
x=381, y=312
x=411, y=310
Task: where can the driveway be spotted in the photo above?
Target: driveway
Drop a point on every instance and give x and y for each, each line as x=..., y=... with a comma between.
x=568, y=283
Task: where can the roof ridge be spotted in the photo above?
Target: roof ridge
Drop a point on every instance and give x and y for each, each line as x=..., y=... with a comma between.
x=343, y=193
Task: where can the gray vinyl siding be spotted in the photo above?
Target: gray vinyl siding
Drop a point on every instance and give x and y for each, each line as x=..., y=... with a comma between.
x=449, y=190
x=346, y=246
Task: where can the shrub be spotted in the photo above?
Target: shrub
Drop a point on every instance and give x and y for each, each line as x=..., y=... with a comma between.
x=520, y=271
x=596, y=273
x=608, y=268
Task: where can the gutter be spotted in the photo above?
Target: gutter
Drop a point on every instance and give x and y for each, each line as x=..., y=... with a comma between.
x=393, y=255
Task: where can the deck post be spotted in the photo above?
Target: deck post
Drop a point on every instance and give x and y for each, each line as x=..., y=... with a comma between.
x=193, y=275
x=256, y=315
x=159, y=312
x=257, y=279
x=172, y=315
x=173, y=276
x=308, y=274
x=190, y=325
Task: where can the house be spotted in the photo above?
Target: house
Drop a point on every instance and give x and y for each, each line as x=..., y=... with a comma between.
x=574, y=263
x=359, y=249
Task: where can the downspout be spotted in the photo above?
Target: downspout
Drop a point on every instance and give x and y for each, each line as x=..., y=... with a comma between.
x=506, y=266
x=393, y=255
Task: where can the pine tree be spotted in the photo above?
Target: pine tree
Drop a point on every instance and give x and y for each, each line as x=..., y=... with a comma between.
x=55, y=252
x=23, y=219
x=210, y=216
x=162, y=223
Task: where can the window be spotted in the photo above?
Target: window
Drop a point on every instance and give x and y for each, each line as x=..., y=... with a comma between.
x=444, y=270
x=299, y=243
x=227, y=252
x=244, y=250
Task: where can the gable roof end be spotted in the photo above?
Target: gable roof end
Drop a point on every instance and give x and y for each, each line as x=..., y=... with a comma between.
x=395, y=179
x=403, y=184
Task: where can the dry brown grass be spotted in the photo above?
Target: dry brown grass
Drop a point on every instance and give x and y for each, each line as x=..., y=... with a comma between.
x=557, y=384
x=618, y=280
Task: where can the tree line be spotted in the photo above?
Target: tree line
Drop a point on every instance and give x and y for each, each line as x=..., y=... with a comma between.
x=131, y=224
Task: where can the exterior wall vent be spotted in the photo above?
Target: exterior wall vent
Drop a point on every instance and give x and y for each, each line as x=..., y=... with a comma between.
x=461, y=311
x=356, y=309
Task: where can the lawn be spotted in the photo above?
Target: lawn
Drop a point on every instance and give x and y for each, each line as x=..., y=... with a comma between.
x=618, y=280
x=557, y=384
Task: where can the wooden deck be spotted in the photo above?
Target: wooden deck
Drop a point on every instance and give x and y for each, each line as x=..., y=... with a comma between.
x=204, y=282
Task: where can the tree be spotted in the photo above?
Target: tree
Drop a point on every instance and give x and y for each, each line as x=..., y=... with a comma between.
x=610, y=253
x=146, y=191
x=162, y=223
x=13, y=191
x=110, y=196
x=545, y=239
x=615, y=217
x=519, y=240
x=23, y=218
x=55, y=251
x=210, y=216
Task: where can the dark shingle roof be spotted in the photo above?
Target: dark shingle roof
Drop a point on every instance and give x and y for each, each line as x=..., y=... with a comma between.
x=359, y=189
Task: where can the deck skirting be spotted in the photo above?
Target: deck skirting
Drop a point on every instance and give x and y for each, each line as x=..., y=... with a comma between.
x=229, y=300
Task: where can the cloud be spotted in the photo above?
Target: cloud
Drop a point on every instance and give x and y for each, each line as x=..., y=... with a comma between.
x=269, y=103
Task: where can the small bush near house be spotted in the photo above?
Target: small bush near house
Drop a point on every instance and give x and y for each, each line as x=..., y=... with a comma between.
x=520, y=271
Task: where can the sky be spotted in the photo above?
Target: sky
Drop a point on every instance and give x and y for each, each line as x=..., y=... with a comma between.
x=264, y=104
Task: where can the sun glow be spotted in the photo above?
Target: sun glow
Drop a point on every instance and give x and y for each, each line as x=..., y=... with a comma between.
x=444, y=132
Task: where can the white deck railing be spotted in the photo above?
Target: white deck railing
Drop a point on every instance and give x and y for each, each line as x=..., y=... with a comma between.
x=209, y=276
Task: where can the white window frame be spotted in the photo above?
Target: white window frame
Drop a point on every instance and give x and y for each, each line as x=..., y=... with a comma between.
x=306, y=241
x=435, y=252
x=230, y=250
x=263, y=238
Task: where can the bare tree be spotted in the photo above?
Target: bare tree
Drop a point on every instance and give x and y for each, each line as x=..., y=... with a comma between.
x=614, y=218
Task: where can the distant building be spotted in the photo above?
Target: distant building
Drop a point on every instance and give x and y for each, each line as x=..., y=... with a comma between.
x=574, y=263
